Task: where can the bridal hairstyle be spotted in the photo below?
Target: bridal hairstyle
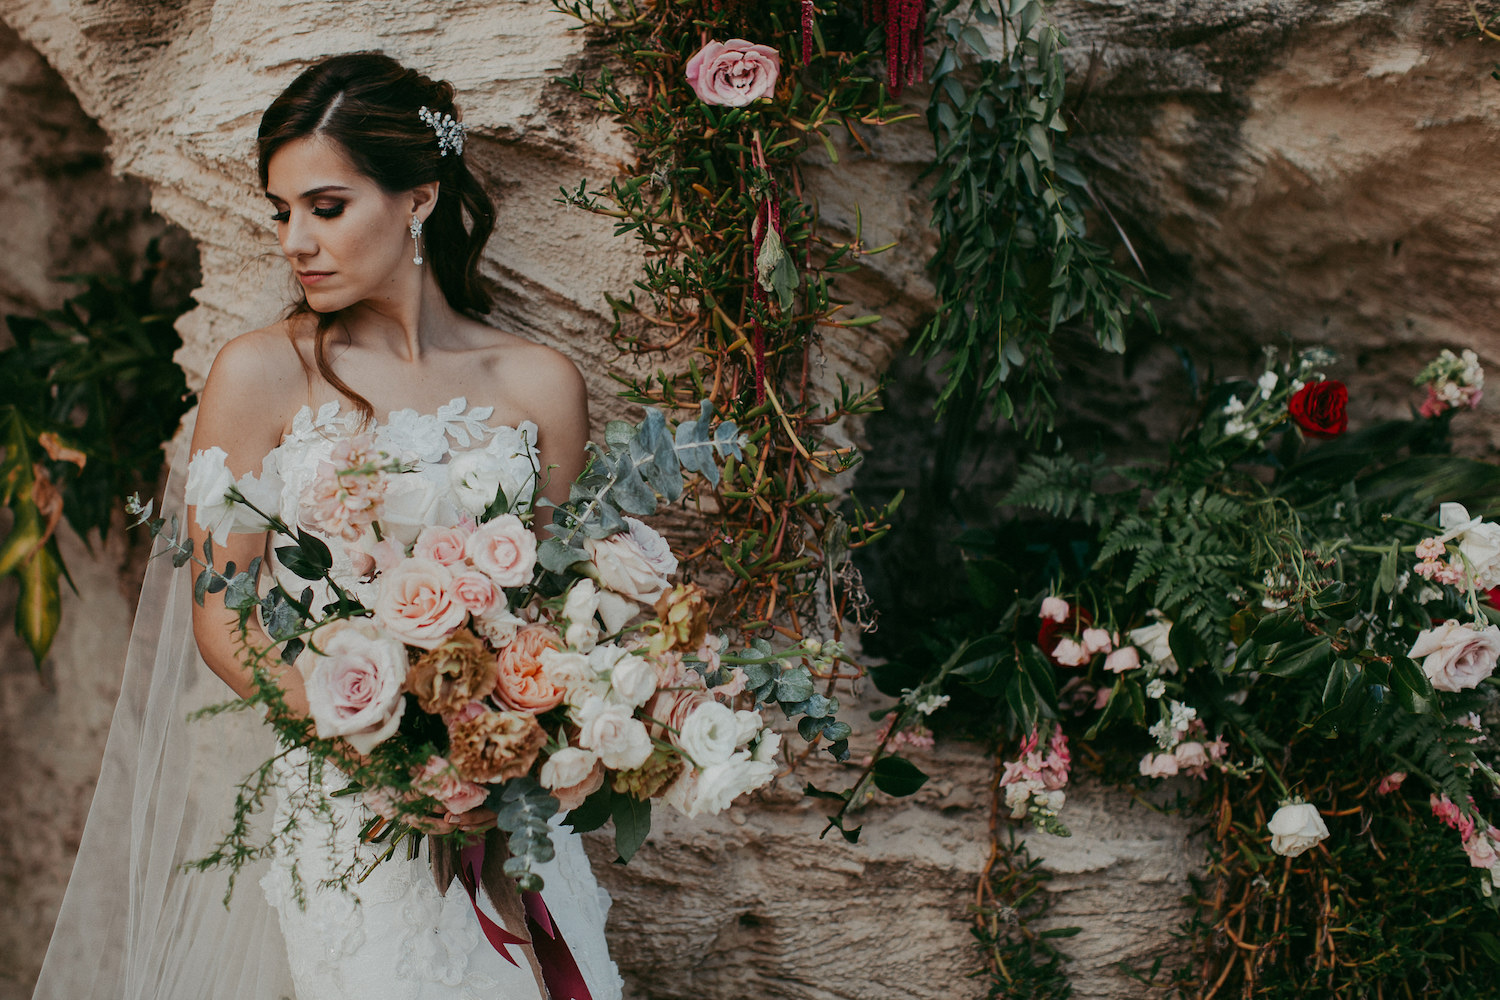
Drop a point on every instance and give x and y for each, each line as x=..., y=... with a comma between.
x=368, y=103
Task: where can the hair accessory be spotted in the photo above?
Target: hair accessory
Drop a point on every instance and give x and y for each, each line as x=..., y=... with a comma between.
x=416, y=246
x=450, y=132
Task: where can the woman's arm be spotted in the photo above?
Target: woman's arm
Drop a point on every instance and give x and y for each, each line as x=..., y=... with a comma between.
x=243, y=409
x=557, y=400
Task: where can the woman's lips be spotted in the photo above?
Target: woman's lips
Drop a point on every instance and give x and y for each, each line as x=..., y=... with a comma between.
x=312, y=277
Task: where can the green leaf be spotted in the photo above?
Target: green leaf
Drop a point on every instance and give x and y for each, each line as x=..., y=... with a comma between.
x=897, y=776
x=632, y=823
x=39, y=605
x=593, y=813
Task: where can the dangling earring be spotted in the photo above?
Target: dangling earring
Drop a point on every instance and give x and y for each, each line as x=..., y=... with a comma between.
x=416, y=234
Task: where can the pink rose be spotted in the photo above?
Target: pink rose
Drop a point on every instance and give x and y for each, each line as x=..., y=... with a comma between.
x=1069, y=653
x=387, y=554
x=1123, y=659
x=1054, y=609
x=503, y=550
x=1097, y=640
x=417, y=604
x=354, y=680
x=733, y=73
x=1481, y=849
x=1192, y=759
x=438, y=779
x=1455, y=657
x=477, y=592
x=444, y=545
x=1158, y=765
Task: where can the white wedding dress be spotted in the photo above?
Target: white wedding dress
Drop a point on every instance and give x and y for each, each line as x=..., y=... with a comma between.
x=401, y=938
x=135, y=925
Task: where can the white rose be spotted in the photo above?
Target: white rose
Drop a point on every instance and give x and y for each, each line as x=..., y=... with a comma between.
x=766, y=747
x=579, y=609
x=624, y=567
x=616, y=611
x=354, y=684
x=1295, y=827
x=208, y=483
x=709, y=735
x=568, y=767
x=713, y=789
x=1455, y=657
x=499, y=626
x=633, y=680
x=575, y=675
x=750, y=725
x=508, y=463
x=1153, y=641
x=1478, y=542
x=410, y=504
x=620, y=739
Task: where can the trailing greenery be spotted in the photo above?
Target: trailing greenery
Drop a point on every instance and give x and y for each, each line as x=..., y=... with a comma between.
x=739, y=280
x=88, y=393
x=1014, y=261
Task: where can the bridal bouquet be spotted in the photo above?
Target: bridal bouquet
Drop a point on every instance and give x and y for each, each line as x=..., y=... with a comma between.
x=454, y=666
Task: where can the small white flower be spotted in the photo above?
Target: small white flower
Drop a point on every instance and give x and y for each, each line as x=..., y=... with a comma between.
x=1156, y=688
x=1235, y=405
x=1267, y=383
x=931, y=703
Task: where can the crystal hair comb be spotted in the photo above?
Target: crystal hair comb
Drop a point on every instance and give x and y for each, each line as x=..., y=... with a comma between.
x=450, y=132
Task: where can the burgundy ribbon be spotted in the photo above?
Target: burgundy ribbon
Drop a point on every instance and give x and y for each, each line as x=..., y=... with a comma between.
x=560, y=972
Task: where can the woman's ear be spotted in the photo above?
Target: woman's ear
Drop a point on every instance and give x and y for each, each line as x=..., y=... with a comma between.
x=424, y=199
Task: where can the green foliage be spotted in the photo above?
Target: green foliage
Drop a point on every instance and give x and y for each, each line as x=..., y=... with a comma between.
x=732, y=306
x=1013, y=261
x=88, y=393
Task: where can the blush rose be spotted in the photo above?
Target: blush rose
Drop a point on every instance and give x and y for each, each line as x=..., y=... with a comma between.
x=416, y=603
x=1455, y=656
x=354, y=684
x=733, y=73
x=503, y=550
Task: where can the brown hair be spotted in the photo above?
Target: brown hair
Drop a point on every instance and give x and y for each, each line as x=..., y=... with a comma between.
x=368, y=104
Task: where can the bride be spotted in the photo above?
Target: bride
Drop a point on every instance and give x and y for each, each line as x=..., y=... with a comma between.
x=383, y=226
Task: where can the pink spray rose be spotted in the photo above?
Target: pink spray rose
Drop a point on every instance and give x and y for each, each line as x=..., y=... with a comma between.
x=1192, y=758
x=476, y=592
x=1054, y=609
x=440, y=544
x=1455, y=656
x=1481, y=849
x=1097, y=640
x=439, y=779
x=1070, y=653
x=1390, y=782
x=503, y=550
x=1158, y=765
x=1123, y=659
x=733, y=73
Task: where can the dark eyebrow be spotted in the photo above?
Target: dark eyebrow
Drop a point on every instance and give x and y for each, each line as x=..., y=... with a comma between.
x=314, y=192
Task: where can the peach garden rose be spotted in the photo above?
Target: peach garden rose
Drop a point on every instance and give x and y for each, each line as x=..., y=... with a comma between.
x=417, y=603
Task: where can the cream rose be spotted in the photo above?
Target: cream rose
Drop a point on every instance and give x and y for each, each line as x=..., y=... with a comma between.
x=416, y=602
x=733, y=73
x=508, y=463
x=714, y=789
x=504, y=550
x=710, y=734
x=574, y=675
x=579, y=609
x=1478, y=542
x=410, y=504
x=572, y=774
x=1455, y=657
x=613, y=733
x=633, y=680
x=1154, y=641
x=632, y=563
x=354, y=683
x=1295, y=827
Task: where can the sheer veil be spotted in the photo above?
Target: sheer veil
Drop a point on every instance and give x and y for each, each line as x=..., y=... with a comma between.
x=133, y=924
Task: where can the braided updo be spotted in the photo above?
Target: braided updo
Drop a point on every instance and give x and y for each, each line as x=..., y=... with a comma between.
x=368, y=103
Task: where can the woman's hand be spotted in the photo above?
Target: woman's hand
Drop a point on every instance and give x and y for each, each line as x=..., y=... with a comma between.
x=474, y=821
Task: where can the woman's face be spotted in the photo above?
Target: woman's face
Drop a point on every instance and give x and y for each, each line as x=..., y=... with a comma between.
x=346, y=237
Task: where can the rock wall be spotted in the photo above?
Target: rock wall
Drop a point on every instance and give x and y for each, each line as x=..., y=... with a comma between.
x=1318, y=169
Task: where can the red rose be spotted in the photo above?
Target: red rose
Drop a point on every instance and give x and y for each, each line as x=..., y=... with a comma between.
x=1321, y=409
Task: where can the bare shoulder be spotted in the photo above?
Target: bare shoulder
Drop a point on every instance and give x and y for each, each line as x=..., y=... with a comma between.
x=256, y=384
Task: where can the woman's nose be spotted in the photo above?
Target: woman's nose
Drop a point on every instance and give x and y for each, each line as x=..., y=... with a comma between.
x=297, y=239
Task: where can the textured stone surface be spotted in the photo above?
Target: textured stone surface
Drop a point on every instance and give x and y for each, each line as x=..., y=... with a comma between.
x=1319, y=169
